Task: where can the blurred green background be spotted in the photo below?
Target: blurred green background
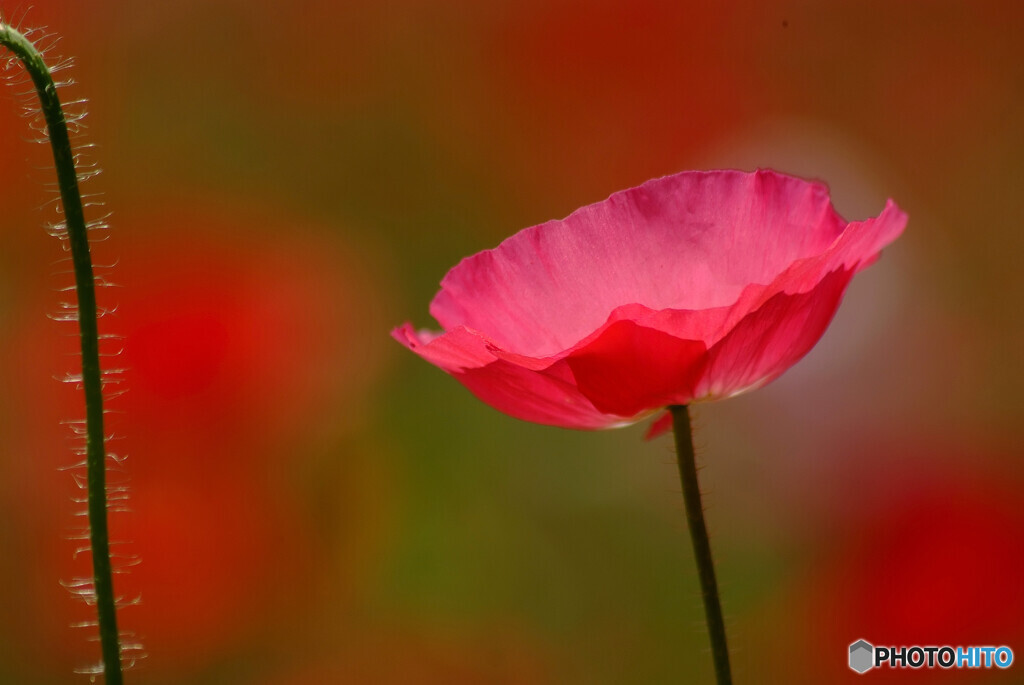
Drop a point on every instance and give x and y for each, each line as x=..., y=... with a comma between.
x=310, y=503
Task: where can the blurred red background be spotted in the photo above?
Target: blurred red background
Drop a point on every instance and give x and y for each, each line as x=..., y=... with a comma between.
x=308, y=503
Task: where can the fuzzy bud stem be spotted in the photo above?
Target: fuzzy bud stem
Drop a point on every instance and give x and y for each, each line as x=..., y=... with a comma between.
x=71, y=200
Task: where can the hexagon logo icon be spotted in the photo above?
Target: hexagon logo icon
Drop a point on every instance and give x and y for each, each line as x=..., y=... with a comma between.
x=861, y=656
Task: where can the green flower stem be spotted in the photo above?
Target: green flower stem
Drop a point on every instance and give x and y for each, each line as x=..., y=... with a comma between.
x=701, y=545
x=74, y=217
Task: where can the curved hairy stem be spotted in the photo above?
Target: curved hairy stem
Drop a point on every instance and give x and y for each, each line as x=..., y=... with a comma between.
x=71, y=201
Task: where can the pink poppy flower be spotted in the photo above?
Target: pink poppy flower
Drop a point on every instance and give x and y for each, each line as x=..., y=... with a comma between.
x=691, y=287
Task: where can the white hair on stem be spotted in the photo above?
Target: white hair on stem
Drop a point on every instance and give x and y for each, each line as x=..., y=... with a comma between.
x=110, y=345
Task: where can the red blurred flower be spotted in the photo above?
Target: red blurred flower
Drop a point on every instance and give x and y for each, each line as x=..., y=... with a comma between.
x=691, y=287
x=234, y=329
x=235, y=336
x=930, y=556
x=584, y=91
